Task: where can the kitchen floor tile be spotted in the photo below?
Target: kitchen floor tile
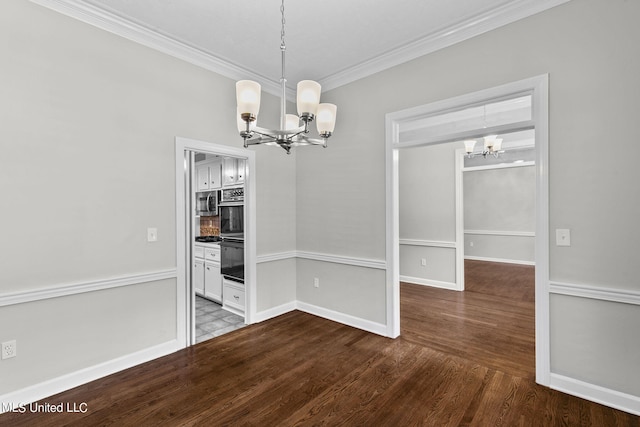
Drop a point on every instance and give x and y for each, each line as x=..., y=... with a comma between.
x=212, y=320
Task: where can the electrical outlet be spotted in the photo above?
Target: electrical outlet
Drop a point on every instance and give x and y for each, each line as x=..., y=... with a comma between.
x=9, y=349
x=152, y=234
x=316, y=282
x=423, y=262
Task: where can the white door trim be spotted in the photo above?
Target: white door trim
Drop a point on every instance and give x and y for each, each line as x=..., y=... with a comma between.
x=538, y=87
x=183, y=289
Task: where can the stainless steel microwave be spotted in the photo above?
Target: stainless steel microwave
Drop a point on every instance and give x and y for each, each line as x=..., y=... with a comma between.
x=207, y=203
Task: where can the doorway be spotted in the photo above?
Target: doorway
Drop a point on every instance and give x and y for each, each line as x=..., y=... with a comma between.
x=498, y=210
x=215, y=258
x=186, y=230
x=432, y=125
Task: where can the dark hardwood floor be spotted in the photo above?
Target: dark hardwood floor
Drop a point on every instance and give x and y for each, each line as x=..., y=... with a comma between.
x=463, y=359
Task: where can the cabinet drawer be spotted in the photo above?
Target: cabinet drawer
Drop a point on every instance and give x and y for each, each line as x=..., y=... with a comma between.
x=212, y=254
x=198, y=251
x=233, y=296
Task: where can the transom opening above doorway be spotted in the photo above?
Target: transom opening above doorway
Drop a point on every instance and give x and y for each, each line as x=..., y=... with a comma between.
x=477, y=120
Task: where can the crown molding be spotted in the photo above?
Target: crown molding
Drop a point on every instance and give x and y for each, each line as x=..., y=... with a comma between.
x=137, y=33
x=479, y=24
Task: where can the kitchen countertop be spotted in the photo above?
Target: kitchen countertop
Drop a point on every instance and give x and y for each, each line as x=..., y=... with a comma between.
x=207, y=244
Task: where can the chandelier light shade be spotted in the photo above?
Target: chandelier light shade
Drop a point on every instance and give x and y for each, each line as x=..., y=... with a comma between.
x=290, y=133
x=293, y=122
x=248, y=99
x=492, y=146
x=308, y=97
x=468, y=145
x=326, y=120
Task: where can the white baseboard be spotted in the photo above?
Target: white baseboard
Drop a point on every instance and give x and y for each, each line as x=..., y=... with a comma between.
x=345, y=319
x=615, y=399
x=429, y=282
x=274, y=312
x=74, y=379
x=506, y=261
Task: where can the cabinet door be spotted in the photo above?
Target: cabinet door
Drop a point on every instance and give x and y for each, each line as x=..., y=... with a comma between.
x=240, y=163
x=197, y=276
x=212, y=281
x=234, y=297
x=215, y=181
x=229, y=171
x=202, y=178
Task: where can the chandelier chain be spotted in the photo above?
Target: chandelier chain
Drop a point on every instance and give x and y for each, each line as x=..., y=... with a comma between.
x=282, y=45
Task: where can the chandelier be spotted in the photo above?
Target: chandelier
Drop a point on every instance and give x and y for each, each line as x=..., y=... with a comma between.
x=290, y=133
x=492, y=146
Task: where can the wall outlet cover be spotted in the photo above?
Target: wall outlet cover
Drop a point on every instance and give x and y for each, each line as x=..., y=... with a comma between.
x=9, y=349
x=563, y=237
x=152, y=234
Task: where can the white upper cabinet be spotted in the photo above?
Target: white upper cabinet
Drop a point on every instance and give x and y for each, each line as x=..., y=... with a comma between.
x=208, y=175
x=232, y=171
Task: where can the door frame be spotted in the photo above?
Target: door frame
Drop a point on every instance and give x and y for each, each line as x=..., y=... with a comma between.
x=538, y=88
x=185, y=296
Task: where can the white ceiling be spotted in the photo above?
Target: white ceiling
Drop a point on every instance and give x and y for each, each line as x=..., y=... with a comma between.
x=330, y=41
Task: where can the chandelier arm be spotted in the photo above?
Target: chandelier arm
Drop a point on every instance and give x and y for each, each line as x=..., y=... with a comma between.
x=259, y=140
x=278, y=132
x=312, y=141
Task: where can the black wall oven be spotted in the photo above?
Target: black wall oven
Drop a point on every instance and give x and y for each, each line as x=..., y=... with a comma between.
x=231, y=220
x=231, y=211
x=232, y=258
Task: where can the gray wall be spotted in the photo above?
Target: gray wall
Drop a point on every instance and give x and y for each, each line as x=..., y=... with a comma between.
x=589, y=50
x=88, y=127
x=428, y=214
x=500, y=201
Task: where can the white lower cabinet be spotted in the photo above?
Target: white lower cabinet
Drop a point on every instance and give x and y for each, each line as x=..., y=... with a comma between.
x=233, y=296
x=198, y=276
x=212, y=281
x=207, y=281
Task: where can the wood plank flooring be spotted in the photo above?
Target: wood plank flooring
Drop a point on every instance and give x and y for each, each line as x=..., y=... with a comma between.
x=464, y=359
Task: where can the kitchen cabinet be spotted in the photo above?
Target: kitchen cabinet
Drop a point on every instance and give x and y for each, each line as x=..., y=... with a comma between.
x=212, y=277
x=198, y=276
x=233, y=171
x=208, y=175
x=233, y=297
x=207, y=280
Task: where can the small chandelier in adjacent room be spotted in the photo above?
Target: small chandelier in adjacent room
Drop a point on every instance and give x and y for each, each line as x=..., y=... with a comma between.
x=290, y=133
x=492, y=146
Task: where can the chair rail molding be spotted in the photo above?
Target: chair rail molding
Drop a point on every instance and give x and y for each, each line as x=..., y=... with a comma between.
x=82, y=287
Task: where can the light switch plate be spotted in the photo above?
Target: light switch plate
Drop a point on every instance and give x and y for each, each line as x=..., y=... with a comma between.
x=152, y=234
x=563, y=237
